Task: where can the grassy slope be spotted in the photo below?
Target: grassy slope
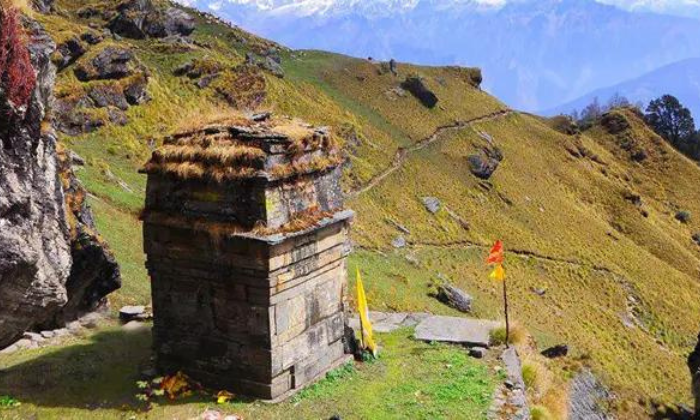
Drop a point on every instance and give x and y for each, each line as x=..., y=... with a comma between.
x=573, y=231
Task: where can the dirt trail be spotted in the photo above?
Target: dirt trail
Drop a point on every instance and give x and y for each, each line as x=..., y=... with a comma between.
x=403, y=152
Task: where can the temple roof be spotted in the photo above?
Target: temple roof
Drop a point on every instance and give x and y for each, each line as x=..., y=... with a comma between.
x=236, y=147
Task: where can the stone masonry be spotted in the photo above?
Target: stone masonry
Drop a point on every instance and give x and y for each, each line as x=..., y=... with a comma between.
x=247, y=238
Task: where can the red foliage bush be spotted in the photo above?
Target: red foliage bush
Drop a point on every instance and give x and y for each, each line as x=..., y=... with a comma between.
x=17, y=76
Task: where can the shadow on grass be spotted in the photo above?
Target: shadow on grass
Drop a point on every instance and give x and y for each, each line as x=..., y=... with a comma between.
x=99, y=372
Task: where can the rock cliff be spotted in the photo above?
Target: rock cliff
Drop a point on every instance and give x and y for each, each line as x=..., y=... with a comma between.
x=694, y=366
x=53, y=266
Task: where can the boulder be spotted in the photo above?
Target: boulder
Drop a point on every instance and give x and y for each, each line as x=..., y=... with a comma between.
x=136, y=92
x=431, y=204
x=130, y=313
x=696, y=238
x=393, y=67
x=560, y=350
x=68, y=52
x=484, y=165
x=683, y=216
x=454, y=297
x=40, y=284
x=478, y=352
x=109, y=63
x=44, y=6
x=73, y=121
x=417, y=87
x=91, y=38
x=399, y=242
x=273, y=66
x=139, y=19
x=171, y=22
x=104, y=95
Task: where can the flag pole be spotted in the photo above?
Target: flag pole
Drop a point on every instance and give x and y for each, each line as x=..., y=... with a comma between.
x=505, y=304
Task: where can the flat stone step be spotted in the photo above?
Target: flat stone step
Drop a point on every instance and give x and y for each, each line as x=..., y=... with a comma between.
x=448, y=329
x=384, y=322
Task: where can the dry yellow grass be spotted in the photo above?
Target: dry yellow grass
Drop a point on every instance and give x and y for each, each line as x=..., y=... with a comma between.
x=199, y=118
x=24, y=6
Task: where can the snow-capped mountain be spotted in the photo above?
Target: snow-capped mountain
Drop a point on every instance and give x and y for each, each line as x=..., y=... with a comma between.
x=536, y=54
x=686, y=8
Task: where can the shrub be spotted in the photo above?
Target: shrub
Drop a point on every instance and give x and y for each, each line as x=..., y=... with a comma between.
x=539, y=412
x=683, y=216
x=17, y=76
x=529, y=375
x=518, y=335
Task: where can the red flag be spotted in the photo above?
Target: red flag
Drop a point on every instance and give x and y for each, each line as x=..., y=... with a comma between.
x=496, y=254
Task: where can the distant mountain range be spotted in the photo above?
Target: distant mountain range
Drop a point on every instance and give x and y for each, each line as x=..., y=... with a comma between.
x=681, y=79
x=536, y=54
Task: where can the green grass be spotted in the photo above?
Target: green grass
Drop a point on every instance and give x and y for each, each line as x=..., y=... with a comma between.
x=123, y=233
x=95, y=376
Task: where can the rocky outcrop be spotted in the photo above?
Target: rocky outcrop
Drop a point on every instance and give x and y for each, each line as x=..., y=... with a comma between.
x=694, y=366
x=52, y=264
x=484, y=165
x=116, y=82
x=417, y=87
x=68, y=52
x=108, y=63
x=139, y=19
x=270, y=62
x=587, y=398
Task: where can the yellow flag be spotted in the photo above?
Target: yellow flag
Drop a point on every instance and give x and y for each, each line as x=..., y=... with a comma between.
x=363, y=310
x=498, y=273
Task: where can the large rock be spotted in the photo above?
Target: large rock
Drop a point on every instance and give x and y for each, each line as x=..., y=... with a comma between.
x=68, y=52
x=139, y=19
x=484, y=164
x=109, y=63
x=417, y=87
x=694, y=366
x=39, y=282
x=454, y=297
x=432, y=204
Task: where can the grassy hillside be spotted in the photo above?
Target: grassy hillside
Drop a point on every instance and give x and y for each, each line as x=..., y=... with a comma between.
x=620, y=273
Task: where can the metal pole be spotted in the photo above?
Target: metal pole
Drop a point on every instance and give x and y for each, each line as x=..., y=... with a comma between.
x=505, y=301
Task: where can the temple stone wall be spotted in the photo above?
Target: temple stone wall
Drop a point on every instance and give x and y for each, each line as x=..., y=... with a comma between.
x=258, y=312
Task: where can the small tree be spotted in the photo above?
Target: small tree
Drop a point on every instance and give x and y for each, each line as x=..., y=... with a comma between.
x=617, y=101
x=17, y=77
x=590, y=113
x=672, y=121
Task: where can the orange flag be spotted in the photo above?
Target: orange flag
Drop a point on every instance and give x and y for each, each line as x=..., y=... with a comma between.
x=496, y=254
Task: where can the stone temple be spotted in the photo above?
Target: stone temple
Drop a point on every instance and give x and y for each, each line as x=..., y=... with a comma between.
x=247, y=238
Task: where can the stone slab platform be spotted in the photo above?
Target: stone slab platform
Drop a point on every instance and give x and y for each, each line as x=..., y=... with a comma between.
x=385, y=322
x=472, y=332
